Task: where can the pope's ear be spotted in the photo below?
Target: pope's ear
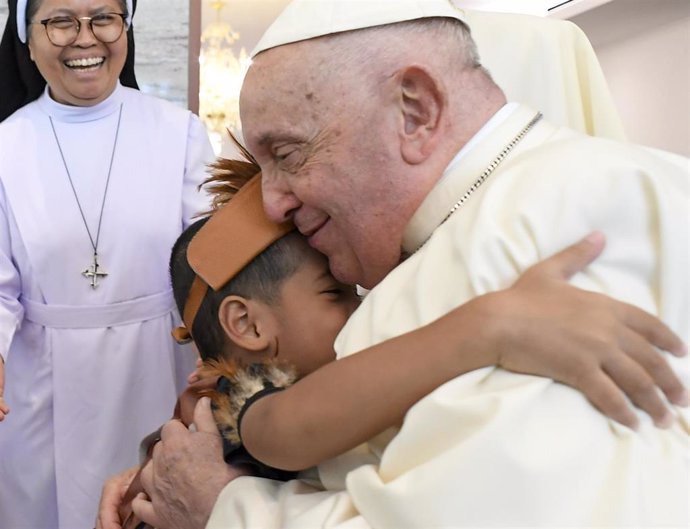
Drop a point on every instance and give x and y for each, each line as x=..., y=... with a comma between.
x=422, y=104
x=243, y=322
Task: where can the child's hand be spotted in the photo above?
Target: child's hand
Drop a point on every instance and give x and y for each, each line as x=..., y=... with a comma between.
x=195, y=375
x=605, y=348
x=112, y=496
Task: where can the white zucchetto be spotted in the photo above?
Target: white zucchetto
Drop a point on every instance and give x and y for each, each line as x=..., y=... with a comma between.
x=308, y=19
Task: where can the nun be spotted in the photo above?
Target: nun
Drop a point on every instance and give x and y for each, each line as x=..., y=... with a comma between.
x=97, y=180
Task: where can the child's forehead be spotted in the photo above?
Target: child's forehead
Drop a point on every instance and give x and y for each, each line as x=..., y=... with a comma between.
x=310, y=277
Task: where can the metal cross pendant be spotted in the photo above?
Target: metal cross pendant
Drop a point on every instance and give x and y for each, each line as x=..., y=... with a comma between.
x=94, y=272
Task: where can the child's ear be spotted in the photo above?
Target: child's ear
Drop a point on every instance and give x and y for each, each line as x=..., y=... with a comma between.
x=244, y=323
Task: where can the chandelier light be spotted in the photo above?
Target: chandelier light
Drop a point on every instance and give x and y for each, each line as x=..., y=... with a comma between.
x=221, y=72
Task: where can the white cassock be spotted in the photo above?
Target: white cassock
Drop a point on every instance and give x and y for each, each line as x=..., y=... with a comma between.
x=89, y=371
x=499, y=449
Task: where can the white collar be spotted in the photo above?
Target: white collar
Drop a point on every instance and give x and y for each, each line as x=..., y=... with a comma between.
x=477, y=156
x=499, y=117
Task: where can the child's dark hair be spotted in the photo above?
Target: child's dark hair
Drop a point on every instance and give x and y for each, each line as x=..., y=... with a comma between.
x=261, y=279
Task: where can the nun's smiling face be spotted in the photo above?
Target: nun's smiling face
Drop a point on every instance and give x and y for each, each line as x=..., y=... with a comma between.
x=85, y=72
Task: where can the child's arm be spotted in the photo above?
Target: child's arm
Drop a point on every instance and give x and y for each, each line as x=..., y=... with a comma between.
x=347, y=402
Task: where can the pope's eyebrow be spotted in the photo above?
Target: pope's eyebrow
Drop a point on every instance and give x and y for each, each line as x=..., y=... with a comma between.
x=265, y=139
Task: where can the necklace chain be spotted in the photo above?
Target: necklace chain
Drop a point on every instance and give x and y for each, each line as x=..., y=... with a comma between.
x=489, y=170
x=94, y=273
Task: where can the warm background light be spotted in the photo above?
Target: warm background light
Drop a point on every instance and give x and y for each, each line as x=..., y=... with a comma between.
x=221, y=71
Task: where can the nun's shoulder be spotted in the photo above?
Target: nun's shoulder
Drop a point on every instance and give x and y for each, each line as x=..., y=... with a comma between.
x=18, y=125
x=152, y=103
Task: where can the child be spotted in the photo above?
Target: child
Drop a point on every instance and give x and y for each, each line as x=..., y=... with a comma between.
x=274, y=321
x=257, y=331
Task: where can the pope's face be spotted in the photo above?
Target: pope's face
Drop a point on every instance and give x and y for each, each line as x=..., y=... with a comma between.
x=85, y=72
x=329, y=162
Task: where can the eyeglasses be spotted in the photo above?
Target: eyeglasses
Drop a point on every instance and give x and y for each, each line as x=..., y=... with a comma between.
x=63, y=31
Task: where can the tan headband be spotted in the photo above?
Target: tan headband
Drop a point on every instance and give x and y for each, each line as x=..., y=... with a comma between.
x=234, y=235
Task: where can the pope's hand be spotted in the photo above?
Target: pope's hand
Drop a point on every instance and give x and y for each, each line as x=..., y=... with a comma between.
x=605, y=348
x=186, y=474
